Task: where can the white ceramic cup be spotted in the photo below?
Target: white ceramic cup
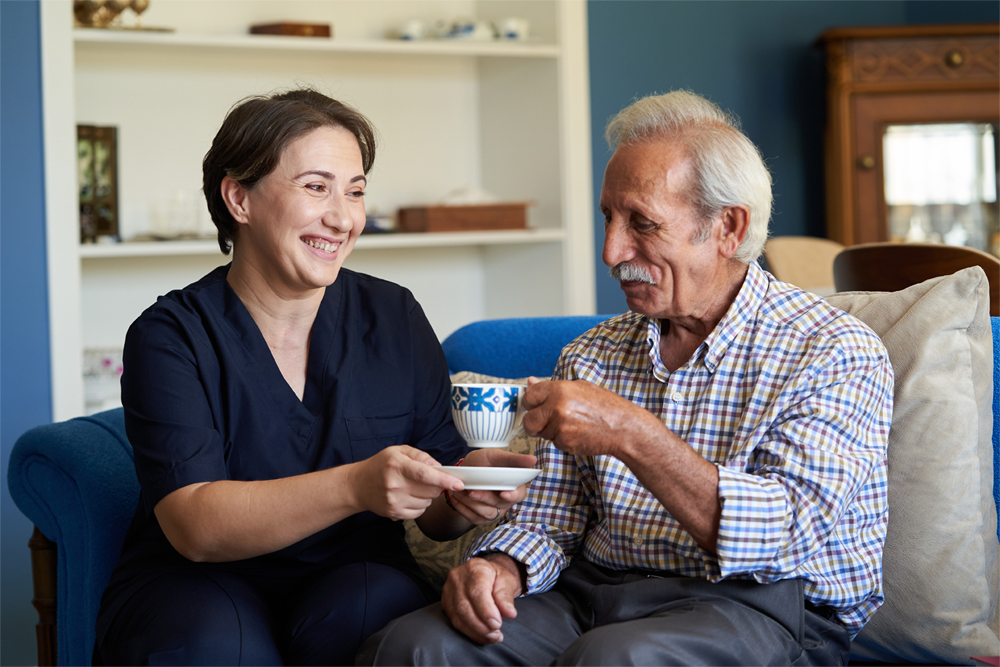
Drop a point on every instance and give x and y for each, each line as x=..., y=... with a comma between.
x=514, y=28
x=472, y=30
x=414, y=29
x=488, y=415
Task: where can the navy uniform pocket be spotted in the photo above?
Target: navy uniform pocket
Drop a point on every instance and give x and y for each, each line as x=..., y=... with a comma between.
x=370, y=435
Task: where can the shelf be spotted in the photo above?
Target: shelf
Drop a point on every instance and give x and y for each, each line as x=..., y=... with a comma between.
x=149, y=249
x=366, y=242
x=280, y=43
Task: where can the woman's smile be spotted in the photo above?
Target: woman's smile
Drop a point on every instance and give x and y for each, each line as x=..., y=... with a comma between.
x=327, y=249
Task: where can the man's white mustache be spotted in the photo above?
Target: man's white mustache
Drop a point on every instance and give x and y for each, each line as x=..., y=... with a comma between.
x=626, y=272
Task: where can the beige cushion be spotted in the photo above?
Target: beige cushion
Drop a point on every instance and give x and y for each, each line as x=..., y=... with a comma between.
x=437, y=558
x=940, y=563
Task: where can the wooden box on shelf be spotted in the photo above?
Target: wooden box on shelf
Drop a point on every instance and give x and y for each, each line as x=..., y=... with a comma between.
x=463, y=218
x=292, y=29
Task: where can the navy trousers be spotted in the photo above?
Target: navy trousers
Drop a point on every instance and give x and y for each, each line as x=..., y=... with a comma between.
x=595, y=616
x=209, y=616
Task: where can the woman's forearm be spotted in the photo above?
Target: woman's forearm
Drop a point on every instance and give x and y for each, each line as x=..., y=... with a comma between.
x=229, y=520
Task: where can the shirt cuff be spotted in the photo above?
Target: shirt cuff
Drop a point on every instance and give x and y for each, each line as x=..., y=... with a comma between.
x=542, y=557
x=754, y=524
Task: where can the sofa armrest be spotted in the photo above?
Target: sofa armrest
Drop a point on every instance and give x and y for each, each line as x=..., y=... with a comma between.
x=75, y=480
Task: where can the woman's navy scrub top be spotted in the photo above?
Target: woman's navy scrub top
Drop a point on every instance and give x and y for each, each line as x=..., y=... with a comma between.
x=204, y=401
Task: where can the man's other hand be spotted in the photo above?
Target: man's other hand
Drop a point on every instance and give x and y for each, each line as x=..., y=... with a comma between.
x=479, y=594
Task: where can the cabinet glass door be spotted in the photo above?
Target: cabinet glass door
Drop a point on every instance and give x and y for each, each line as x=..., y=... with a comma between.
x=941, y=184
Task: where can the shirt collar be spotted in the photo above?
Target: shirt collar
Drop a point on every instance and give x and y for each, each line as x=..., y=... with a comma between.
x=742, y=310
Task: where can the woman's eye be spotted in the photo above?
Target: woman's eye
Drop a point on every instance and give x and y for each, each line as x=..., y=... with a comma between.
x=358, y=194
x=316, y=187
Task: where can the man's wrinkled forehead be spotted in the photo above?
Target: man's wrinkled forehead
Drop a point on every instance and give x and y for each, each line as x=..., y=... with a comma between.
x=652, y=166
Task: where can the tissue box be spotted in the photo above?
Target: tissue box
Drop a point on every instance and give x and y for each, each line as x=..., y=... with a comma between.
x=464, y=218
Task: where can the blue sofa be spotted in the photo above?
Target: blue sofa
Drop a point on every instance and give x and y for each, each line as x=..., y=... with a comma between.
x=76, y=481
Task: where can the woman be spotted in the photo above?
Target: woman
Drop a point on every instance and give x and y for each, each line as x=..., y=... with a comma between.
x=285, y=413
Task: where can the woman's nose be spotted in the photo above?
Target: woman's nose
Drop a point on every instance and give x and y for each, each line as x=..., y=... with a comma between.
x=617, y=243
x=338, y=215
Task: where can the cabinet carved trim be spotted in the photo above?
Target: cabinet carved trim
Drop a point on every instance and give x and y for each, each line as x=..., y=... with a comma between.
x=930, y=59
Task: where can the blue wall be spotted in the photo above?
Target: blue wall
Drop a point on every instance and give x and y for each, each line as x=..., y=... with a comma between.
x=954, y=11
x=756, y=59
x=25, y=390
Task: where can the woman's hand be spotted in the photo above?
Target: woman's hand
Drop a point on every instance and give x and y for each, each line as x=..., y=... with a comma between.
x=480, y=507
x=401, y=482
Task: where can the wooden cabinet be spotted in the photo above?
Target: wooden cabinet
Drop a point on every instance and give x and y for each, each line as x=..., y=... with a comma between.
x=883, y=78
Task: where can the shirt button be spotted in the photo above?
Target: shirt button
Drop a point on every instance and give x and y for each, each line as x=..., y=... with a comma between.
x=676, y=396
x=637, y=541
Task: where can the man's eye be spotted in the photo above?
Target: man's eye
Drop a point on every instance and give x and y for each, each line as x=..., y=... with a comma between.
x=643, y=226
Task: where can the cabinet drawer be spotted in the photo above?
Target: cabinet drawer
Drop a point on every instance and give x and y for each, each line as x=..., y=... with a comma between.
x=926, y=59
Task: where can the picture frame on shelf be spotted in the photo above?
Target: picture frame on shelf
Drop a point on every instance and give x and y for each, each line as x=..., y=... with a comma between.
x=97, y=181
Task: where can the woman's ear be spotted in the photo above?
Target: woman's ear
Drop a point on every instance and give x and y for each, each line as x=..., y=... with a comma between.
x=235, y=196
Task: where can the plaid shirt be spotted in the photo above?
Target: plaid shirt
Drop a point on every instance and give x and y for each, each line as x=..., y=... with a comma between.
x=790, y=397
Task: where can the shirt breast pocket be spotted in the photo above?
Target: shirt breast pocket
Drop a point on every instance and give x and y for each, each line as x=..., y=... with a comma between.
x=370, y=435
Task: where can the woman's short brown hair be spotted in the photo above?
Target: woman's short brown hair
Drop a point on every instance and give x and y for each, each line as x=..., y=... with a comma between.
x=256, y=132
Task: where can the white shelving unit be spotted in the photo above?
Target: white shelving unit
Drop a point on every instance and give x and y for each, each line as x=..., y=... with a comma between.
x=511, y=118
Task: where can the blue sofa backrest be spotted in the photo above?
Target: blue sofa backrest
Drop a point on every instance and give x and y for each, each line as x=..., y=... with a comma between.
x=514, y=348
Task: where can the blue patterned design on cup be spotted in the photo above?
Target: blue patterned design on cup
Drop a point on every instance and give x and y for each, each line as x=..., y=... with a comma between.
x=487, y=415
x=482, y=399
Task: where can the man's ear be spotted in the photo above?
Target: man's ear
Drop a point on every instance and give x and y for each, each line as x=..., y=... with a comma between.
x=235, y=196
x=732, y=231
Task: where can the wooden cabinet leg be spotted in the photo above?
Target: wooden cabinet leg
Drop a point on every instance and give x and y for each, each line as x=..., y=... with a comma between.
x=43, y=572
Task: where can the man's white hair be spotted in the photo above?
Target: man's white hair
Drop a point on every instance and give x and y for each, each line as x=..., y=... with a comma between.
x=728, y=168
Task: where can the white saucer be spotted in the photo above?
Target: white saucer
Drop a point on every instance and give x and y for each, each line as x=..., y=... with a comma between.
x=492, y=479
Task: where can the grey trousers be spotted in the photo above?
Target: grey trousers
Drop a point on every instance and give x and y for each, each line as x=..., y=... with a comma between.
x=596, y=616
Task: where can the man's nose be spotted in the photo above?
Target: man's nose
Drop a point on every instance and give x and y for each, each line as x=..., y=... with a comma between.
x=617, y=243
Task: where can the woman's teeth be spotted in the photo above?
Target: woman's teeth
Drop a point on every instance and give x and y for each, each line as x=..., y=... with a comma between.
x=320, y=245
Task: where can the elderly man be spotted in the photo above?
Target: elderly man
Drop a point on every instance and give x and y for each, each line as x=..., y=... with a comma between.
x=714, y=481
